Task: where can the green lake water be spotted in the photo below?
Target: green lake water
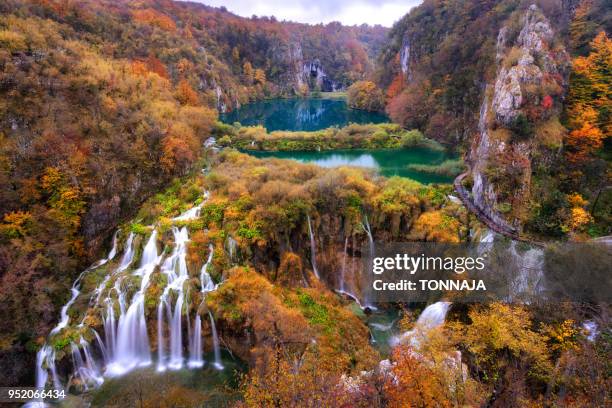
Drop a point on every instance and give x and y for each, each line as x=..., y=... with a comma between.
x=300, y=114
x=316, y=114
x=387, y=162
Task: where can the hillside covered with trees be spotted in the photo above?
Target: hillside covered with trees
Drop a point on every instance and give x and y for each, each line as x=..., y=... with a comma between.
x=524, y=89
x=147, y=260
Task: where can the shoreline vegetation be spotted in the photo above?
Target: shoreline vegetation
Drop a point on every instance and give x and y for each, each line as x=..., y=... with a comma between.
x=451, y=168
x=353, y=136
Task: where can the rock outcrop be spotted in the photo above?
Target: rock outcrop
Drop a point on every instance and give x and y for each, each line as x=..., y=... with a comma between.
x=314, y=75
x=532, y=70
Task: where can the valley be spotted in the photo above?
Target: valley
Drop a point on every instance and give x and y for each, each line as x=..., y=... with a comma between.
x=188, y=199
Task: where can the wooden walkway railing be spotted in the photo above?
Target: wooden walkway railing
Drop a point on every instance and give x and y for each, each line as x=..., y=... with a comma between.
x=465, y=198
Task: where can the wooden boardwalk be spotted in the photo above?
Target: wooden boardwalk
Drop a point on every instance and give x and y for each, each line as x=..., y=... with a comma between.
x=465, y=198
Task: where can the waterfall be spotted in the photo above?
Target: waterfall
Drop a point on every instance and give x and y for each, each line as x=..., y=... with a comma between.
x=195, y=349
x=160, y=336
x=46, y=355
x=175, y=268
x=206, y=281
x=124, y=344
x=176, y=335
x=344, y=290
x=195, y=343
x=193, y=212
x=87, y=369
x=529, y=279
x=90, y=363
x=76, y=287
x=433, y=316
x=110, y=329
x=128, y=256
x=216, y=347
x=368, y=230
x=132, y=343
x=343, y=270
x=113, y=251
x=64, y=312
x=313, y=255
x=231, y=247
x=102, y=347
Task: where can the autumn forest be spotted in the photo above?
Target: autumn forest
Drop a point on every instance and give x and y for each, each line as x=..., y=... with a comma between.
x=187, y=197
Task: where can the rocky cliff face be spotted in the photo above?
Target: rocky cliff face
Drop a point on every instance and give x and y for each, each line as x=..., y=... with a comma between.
x=526, y=92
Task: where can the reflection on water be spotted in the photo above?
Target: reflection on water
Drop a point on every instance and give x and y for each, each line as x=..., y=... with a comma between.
x=386, y=162
x=300, y=114
x=337, y=160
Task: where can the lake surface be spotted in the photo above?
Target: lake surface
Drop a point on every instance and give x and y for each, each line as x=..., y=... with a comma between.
x=300, y=114
x=386, y=162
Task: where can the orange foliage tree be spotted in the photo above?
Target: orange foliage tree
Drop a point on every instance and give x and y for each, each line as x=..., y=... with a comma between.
x=589, y=101
x=155, y=18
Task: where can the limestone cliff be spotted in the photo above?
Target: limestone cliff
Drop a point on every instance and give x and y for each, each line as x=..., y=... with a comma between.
x=525, y=95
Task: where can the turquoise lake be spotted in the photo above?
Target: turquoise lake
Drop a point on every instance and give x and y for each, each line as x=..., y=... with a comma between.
x=386, y=162
x=316, y=114
x=300, y=114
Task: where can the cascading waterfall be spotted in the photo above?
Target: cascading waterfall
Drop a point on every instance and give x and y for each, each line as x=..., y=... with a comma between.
x=206, y=281
x=132, y=342
x=195, y=349
x=102, y=347
x=216, y=346
x=125, y=343
x=110, y=330
x=433, y=316
x=76, y=286
x=85, y=369
x=128, y=256
x=64, y=318
x=175, y=269
x=46, y=355
x=313, y=255
x=207, y=285
x=193, y=212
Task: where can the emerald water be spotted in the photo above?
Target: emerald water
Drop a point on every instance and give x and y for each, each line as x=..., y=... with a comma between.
x=300, y=114
x=388, y=162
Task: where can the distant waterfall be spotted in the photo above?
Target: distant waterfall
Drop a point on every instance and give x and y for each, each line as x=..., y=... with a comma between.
x=231, y=248
x=313, y=254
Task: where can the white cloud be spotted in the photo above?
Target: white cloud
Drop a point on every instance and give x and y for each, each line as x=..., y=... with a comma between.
x=348, y=12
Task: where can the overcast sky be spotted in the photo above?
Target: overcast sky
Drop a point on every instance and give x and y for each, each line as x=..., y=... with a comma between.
x=348, y=12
